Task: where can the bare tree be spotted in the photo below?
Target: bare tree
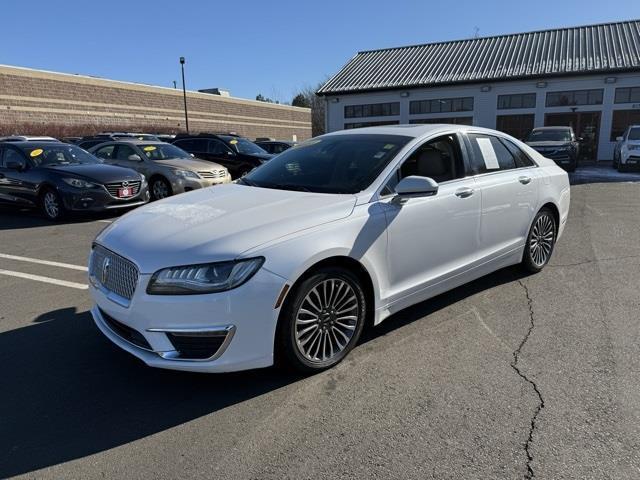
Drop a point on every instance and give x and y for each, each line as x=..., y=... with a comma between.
x=307, y=97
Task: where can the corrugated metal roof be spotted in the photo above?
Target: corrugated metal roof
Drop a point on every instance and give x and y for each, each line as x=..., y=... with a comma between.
x=564, y=51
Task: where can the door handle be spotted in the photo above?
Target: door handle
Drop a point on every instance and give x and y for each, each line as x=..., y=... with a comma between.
x=464, y=192
x=524, y=180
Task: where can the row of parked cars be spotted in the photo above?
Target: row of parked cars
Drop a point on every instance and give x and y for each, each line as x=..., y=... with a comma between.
x=117, y=170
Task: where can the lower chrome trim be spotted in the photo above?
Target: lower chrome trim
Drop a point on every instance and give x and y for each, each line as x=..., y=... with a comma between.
x=227, y=331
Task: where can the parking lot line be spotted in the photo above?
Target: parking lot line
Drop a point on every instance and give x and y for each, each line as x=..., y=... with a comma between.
x=43, y=262
x=38, y=278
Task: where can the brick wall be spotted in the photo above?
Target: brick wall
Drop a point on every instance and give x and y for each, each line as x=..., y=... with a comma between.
x=38, y=99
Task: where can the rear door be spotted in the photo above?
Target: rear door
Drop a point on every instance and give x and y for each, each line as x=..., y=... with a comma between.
x=17, y=186
x=507, y=180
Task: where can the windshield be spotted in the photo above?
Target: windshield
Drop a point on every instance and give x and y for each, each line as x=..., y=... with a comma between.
x=244, y=146
x=163, y=151
x=331, y=164
x=634, y=134
x=560, y=135
x=59, y=154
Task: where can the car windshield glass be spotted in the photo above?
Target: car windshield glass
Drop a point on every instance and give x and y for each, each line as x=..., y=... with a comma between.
x=634, y=134
x=560, y=135
x=244, y=146
x=163, y=151
x=59, y=154
x=332, y=164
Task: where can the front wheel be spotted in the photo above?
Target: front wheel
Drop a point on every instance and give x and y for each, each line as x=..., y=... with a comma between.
x=540, y=241
x=160, y=189
x=322, y=321
x=51, y=205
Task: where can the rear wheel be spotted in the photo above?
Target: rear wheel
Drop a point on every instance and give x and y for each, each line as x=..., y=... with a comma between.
x=160, y=189
x=51, y=205
x=322, y=321
x=540, y=241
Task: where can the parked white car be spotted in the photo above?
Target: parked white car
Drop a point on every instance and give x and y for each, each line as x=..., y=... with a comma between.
x=627, y=152
x=343, y=230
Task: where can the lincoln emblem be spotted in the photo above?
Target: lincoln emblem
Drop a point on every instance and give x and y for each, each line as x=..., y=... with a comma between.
x=104, y=277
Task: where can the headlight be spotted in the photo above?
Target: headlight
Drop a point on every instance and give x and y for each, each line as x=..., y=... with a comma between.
x=186, y=174
x=634, y=147
x=204, y=278
x=78, y=183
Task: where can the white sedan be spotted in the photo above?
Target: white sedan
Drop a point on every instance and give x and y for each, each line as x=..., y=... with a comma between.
x=289, y=264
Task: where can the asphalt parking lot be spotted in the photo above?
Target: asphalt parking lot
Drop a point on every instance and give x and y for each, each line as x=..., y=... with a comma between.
x=511, y=376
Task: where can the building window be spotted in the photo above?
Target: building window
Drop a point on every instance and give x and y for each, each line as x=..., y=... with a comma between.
x=348, y=126
x=621, y=120
x=441, y=105
x=574, y=97
x=627, y=95
x=372, y=110
x=518, y=100
x=517, y=126
x=454, y=120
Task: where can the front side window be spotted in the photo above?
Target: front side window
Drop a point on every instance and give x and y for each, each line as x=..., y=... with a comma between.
x=10, y=155
x=330, y=164
x=124, y=151
x=439, y=159
x=216, y=147
x=489, y=154
x=48, y=155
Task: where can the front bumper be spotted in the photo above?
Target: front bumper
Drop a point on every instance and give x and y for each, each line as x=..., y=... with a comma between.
x=561, y=157
x=246, y=314
x=99, y=200
x=182, y=185
x=630, y=158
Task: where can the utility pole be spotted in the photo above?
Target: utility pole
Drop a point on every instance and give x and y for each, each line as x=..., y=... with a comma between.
x=184, y=95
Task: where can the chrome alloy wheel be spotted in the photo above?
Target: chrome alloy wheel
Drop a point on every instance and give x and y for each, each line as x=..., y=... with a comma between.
x=541, y=239
x=160, y=189
x=51, y=205
x=326, y=320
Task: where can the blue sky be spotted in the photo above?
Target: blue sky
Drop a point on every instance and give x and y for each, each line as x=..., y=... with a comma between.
x=250, y=47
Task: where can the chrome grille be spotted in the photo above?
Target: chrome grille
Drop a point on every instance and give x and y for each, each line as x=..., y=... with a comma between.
x=113, y=272
x=113, y=188
x=213, y=174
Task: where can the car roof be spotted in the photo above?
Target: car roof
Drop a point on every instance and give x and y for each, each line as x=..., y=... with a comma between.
x=559, y=127
x=413, y=130
x=26, y=144
x=136, y=141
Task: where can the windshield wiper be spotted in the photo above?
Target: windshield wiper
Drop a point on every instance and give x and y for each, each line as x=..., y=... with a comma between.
x=246, y=182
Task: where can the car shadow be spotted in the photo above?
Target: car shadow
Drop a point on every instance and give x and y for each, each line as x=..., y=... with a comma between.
x=69, y=393
x=12, y=218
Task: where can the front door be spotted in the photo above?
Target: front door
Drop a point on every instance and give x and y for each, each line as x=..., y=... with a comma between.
x=431, y=238
x=17, y=186
x=586, y=125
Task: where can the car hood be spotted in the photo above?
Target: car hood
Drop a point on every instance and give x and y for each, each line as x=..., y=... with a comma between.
x=217, y=224
x=99, y=173
x=189, y=164
x=261, y=156
x=548, y=144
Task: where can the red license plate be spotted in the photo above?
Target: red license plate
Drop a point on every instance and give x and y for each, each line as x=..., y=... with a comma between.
x=125, y=192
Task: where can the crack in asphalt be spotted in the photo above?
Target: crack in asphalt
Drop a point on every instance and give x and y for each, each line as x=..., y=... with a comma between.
x=514, y=364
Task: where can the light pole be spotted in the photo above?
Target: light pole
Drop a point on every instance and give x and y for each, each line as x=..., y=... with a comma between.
x=184, y=95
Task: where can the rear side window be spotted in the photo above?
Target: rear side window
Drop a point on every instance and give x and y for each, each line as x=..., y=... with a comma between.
x=11, y=155
x=489, y=154
x=522, y=159
x=105, y=152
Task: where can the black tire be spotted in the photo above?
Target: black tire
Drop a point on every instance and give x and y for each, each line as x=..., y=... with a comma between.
x=290, y=338
x=160, y=188
x=51, y=205
x=541, y=241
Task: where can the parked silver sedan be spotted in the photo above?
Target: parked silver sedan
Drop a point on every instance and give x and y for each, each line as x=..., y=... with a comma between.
x=168, y=169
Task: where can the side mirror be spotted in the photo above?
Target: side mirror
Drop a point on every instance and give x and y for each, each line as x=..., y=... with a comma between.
x=230, y=153
x=619, y=139
x=581, y=139
x=414, y=186
x=134, y=158
x=15, y=165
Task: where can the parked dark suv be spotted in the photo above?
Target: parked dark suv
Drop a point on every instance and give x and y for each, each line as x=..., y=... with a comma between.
x=59, y=177
x=239, y=155
x=556, y=143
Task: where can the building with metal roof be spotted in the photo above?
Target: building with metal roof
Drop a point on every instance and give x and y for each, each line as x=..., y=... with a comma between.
x=587, y=77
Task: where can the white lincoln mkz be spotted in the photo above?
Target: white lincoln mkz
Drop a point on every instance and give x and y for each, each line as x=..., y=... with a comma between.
x=290, y=263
